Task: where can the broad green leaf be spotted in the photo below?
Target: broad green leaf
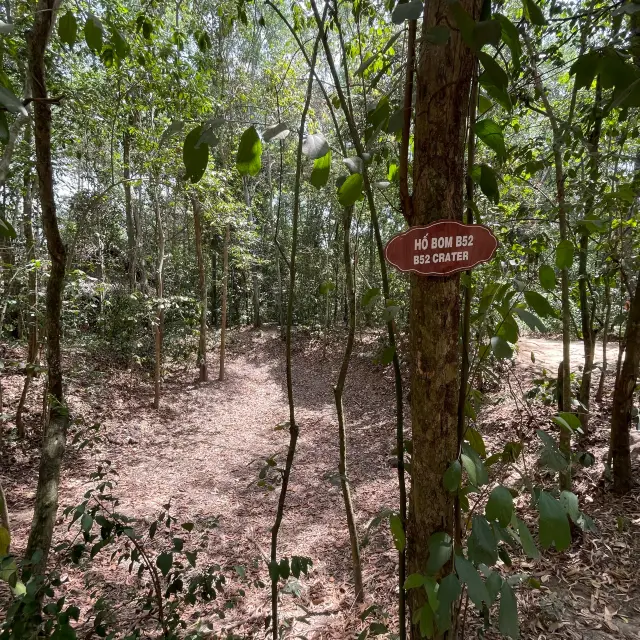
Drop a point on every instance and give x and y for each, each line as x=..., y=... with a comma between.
x=568, y=421
x=396, y=120
x=119, y=44
x=484, y=104
x=533, y=322
x=551, y=455
x=482, y=545
x=321, y=169
x=387, y=355
x=437, y=35
x=411, y=10
x=278, y=132
x=378, y=117
x=370, y=295
x=490, y=132
x=93, y=32
x=397, y=531
x=68, y=28
x=5, y=541
x=500, y=506
x=585, y=69
x=440, y=547
x=453, y=476
x=485, y=176
x=365, y=64
x=426, y=621
x=414, y=581
x=539, y=304
x=494, y=71
x=501, y=348
x=249, y=156
x=464, y=22
x=325, y=287
x=569, y=502
x=508, y=329
x=476, y=441
x=508, y=616
x=499, y=94
x=4, y=128
x=486, y=32
x=526, y=540
x=547, y=277
x=11, y=102
x=511, y=38
x=351, y=190
x=448, y=593
x=564, y=254
x=175, y=127
x=469, y=575
x=164, y=562
x=315, y=146
x=194, y=156
x=86, y=522
x=474, y=466
x=354, y=164
x=554, y=525
x=533, y=13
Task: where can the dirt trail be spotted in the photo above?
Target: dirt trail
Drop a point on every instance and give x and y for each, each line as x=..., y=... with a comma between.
x=203, y=452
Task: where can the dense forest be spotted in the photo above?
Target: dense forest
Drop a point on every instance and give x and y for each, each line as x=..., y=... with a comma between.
x=227, y=411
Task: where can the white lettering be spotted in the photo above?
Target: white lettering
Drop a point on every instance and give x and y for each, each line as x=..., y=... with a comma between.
x=470, y=241
x=417, y=244
x=465, y=255
x=416, y=259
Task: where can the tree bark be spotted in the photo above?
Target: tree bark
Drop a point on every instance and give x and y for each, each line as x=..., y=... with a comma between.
x=623, y=399
x=4, y=514
x=160, y=304
x=54, y=442
x=202, y=279
x=223, y=310
x=214, y=279
x=443, y=82
x=605, y=338
x=255, y=295
x=128, y=207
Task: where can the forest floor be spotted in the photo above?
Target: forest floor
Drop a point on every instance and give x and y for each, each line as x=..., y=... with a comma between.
x=203, y=452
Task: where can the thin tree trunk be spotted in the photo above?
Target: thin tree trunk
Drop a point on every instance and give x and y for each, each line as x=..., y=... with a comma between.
x=223, y=311
x=32, y=353
x=605, y=338
x=202, y=278
x=4, y=516
x=54, y=442
x=214, y=280
x=128, y=208
x=255, y=297
x=338, y=392
x=160, y=305
x=623, y=399
x=443, y=82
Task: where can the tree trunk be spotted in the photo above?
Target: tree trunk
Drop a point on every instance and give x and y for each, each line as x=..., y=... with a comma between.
x=214, y=280
x=338, y=392
x=160, y=305
x=255, y=297
x=202, y=278
x=4, y=516
x=623, y=399
x=128, y=208
x=223, y=311
x=443, y=81
x=54, y=442
x=32, y=323
x=605, y=338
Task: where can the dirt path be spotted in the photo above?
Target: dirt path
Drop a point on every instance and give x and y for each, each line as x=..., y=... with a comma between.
x=204, y=450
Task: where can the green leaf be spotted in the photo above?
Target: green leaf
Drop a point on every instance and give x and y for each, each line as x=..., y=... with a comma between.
x=533, y=322
x=564, y=254
x=93, y=33
x=11, y=102
x=453, y=476
x=164, y=562
x=508, y=329
x=274, y=571
x=378, y=117
x=511, y=38
x=397, y=531
x=119, y=44
x=495, y=73
x=569, y=502
x=351, y=190
x=585, y=69
x=5, y=541
x=387, y=355
x=365, y=64
x=326, y=287
x=191, y=557
x=407, y=11
x=86, y=523
x=501, y=348
x=554, y=525
x=486, y=32
x=315, y=146
x=476, y=441
x=482, y=545
x=414, y=581
x=547, y=277
x=448, y=593
x=321, y=169
x=539, y=304
x=278, y=132
x=465, y=23
x=508, y=616
x=370, y=295
x=4, y=128
x=568, y=421
x=485, y=176
x=490, y=132
x=500, y=506
x=249, y=156
x=493, y=582
x=437, y=35
x=440, y=547
x=533, y=13
x=474, y=466
x=551, y=456
x=426, y=621
x=195, y=156
x=396, y=121
x=354, y=164
x=526, y=540
x=68, y=28
x=468, y=575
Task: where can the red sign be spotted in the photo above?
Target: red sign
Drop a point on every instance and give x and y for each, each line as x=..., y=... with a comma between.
x=441, y=248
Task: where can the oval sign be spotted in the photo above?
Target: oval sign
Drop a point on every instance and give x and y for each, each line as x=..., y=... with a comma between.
x=441, y=248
